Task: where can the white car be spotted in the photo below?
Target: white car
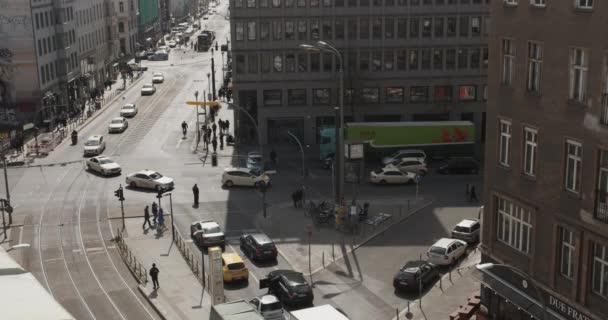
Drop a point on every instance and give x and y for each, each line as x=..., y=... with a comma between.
x=150, y=180
x=410, y=165
x=243, y=177
x=148, y=89
x=172, y=44
x=103, y=165
x=446, y=251
x=392, y=176
x=165, y=48
x=207, y=233
x=118, y=124
x=129, y=110
x=408, y=153
x=158, y=77
x=269, y=306
x=94, y=145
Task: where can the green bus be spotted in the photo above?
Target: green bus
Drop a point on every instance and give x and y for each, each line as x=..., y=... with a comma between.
x=438, y=139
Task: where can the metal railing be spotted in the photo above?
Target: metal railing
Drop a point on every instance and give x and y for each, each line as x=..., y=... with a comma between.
x=190, y=258
x=604, y=115
x=601, y=205
x=136, y=268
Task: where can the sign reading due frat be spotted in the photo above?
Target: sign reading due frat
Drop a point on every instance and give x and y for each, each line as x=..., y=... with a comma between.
x=566, y=310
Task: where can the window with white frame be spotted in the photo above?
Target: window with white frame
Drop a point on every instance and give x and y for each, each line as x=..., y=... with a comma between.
x=538, y=3
x=535, y=60
x=513, y=225
x=584, y=4
x=567, y=253
x=510, y=2
x=505, y=142
x=573, y=166
x=508, y=59
x=600, y=270
x=531, y=143
x=578, y=74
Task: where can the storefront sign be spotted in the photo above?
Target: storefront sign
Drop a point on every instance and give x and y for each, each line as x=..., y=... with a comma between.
x=566, y=310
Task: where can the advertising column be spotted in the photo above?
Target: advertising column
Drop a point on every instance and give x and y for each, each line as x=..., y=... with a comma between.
x=216, y=277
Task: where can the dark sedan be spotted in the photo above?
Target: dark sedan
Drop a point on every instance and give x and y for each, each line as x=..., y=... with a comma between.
x=413, y=274
x=289, y=286
x=464, y=165
x=258, y=246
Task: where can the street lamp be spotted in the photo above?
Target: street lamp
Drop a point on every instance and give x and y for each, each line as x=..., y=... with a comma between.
x=322, y=46
x=209, y=80
x=490, y=265
x=198, y=133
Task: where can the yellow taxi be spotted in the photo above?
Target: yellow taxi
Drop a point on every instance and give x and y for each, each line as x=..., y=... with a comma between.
x=234, y=268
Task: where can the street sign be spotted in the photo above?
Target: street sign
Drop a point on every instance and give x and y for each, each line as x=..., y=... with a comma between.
x=203, y=103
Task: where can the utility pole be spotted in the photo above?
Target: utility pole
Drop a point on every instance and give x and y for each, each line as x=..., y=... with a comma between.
x=3, y=221
x=198, y=126
x=120, y=195
x=172, y=224
x=213, y=76
x=8, y=194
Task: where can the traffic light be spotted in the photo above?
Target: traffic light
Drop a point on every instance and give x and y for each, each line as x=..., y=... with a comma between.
x=159, y=194
x=119, y=194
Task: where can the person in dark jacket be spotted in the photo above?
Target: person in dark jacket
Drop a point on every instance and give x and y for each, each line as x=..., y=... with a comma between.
x=154, y=275
x=195, y=193
x=473, y=194
x=146, y=218
x=154, y=212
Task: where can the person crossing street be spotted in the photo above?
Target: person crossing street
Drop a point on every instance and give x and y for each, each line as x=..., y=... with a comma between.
x=154, y=212
x=184, y=128
x=146, y=218
x=195, y=193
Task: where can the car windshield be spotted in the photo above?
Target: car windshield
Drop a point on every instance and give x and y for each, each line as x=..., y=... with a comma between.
x=158, y=74
x=127, y=107
x=437, y=250
x=301, y=288
x=105, y=161
x=267, y=246
x=378, y=171
x=408, y=273
x=156, y=175
x=236, y=266
x=462, y=229
x=255, y=159
x=148, y=86
x=117, y=121
x=271, y=306
x=91, y=143
x=395, y=154
x=211, y=230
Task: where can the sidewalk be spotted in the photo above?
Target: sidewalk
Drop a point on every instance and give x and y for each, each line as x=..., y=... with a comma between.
x=179, y=296
x=287, y=227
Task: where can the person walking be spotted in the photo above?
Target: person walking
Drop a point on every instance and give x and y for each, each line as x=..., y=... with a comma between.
x=221, y=141
x=146, y=218
x=154, y=275
x=214, y=143
x=273, y=157
x=294, y=198
x=473, y=194
x=220, y=125
x=214, y=128
x=184, y=128
x=227, y=125
x=195, y=193
x=154, y=212
x=161, y=220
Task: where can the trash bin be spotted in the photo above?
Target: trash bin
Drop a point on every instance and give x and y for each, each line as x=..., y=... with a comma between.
x=214, y=159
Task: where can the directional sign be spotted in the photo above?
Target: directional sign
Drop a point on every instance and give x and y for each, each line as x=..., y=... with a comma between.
x=202, y=103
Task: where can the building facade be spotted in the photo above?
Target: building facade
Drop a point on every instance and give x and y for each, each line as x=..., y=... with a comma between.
x=149, y=22
x=404, y=60
x=546, y=166
x=127, y=28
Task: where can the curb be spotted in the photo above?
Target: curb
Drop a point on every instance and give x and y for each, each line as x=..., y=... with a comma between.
x=159, y=310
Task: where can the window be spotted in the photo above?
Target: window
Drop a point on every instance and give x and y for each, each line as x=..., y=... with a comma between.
x=451, y=27
x=250, y=3
x=505, y=143
x=315, y=62
x=573, y=166
x=240, y=63
x=252, y=63
x=272, y=97
x=427, y=26
x=484, y=58
x=537, y=3
x=314, y=3
x=584, y=4
x=510, y=2
x=467, y=93
x=475, y=58
x=266, y=62
x=508, y=58
x=121, y=27
x=388, y=60
x=376, y=60
x=531, y=143
x=327, y=62
x=364, y=28
x=264, y=30
x=443, y=93
x=463, y=59
x=464, y=26
x=339, y=29
x=389, y=28
x=352, y=3
x=39, y=47
x=419, y=94
x=327, y=3
x=352, y=29
x=251, y=33
x=290, y=32
x=301, y=3
x=393, y=95
x=437, y=59
x=513, y=225
x=535, y=60
x=289, y=3
x=578, y=74
x=315, y=33
x=296, y=97
x=121, y=6
x=364, y=61
x=327, y=30
x=302, y=62
x=321, y=96
x=476, y=26
x=302, y=33
x=277, y=62
x=37, y=21
x=567, y=253
x=438, y=27
x=276, y=3
x=425, y=59
x=401, y=28
x=370, y=95
x=414, y=27
x=263, y=3
x=377, y=29
x=450, y=59
x=239, y=31
x=413, y=59
x=277, y=30
x=600, y=270
x=339, y=3
x=401, y=59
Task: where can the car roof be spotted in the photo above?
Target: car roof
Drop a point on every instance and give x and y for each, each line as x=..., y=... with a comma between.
x=261, y=238
x=101, y=158
x=254, y=153
x=268, y=299
x=129, y=105
x=467, y=223
x=444, y=242
x=413, y=266
x=231, y=257
x=95, y=137
x=147, y=172
x=237, y=169
x=410, y=159
x=289, y=275
x=157, y=74
x=392, y=168
x=207, y=223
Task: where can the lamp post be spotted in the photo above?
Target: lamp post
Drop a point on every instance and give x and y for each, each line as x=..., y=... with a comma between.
x=489, y=265
x=198, y=132
x=209, y=80
x=322, y=46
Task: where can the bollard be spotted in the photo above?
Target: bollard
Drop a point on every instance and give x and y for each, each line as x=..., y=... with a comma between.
x=440, y=284
x=408, y=205
x=450, y=275
x=333, y=254
x=397, y=313
x=323, y=259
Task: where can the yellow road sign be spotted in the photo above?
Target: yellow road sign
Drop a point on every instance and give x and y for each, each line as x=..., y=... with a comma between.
x=201, y=103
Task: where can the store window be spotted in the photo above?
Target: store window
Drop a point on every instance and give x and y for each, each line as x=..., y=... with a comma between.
x=290, y=33
x=277, y=62
x=419, y=94
x=296, y=97
x=290, y=62
x=393, y=95
x=272, y=97
x=443, y=93
x=467, y=93
x=370, y=95
x=321, y=96
x=252, y=63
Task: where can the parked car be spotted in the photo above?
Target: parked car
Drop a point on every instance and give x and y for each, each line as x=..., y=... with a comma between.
x=150, y=180
x=411, y=153
x=258, y=246
x=149, y=54
x=255, y=161
x=243, y=177
x=103, y=165
x=409, y=165
x=414, y=276
x=158, y=77
x=172, y=44
x=141, y=55
x=94, y=145
x=129, y=110
x=289, y=286
x=392, y=176
x=467, y=230
x=464, y=165
x=118, y=124
x=148, y=89
x=207, y=233
x=446, y=251
x=137, y=67
x=269, y=307
x=233, y=268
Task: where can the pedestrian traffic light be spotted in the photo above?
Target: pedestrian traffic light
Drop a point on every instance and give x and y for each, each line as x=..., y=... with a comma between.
x=119, y=194
x=159, y=194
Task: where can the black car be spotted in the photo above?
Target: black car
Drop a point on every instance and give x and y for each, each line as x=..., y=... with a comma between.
x=258, y=246
x=289, y=286
x=413, y=274
x=465, y=165
x=149, y=54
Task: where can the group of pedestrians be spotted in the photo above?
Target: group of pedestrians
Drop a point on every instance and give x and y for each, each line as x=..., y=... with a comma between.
x=298, y=197
x=212, y=137
x=158, y=218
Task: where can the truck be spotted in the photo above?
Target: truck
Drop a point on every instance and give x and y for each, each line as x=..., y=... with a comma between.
x=439, y=139
x=205, y=40
x=323, y=312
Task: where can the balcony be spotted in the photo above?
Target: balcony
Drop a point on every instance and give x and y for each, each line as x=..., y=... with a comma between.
x=604, y=119
x=601, y=205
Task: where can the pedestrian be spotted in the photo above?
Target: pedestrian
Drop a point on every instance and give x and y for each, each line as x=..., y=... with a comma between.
x=473, y=194
x=161, y=220
x=467, y=190
x=221, y=141
x=214, y=143
x=303, y=200
x=220, y=124
x=154, y=212
x=146, y=218
x=227, y=125
x=294, y=197
x=299, y=197
x=214, y=128
x=195, y=193
x=273, y=157
x=154, y=275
